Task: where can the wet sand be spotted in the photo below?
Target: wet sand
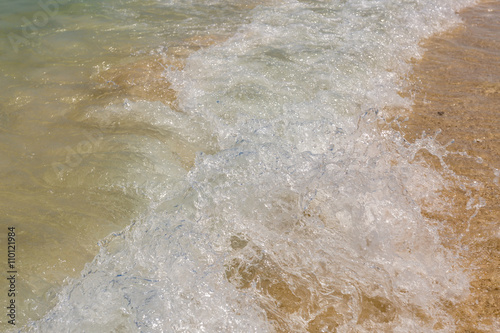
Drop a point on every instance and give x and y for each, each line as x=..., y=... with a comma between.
x=456, y=90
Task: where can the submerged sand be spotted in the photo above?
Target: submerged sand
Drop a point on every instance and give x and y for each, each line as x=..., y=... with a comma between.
x=456, y=90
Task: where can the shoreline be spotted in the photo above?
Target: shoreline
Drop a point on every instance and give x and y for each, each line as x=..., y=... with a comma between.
x=456, y=94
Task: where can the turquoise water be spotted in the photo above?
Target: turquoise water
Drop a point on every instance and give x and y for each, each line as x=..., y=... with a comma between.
x=229, y=159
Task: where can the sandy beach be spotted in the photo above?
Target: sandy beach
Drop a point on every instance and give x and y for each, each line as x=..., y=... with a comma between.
x=456, y=89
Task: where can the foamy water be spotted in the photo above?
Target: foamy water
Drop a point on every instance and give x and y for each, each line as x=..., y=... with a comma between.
x=254, y=175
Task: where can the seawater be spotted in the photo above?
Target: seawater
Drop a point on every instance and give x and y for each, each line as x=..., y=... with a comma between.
x=220, y=166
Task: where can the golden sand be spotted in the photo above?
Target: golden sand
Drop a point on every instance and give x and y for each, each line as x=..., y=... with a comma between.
x=456, y=88
x=142, y=79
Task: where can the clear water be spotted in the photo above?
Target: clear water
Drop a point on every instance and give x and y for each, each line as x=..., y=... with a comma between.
x=238, y=156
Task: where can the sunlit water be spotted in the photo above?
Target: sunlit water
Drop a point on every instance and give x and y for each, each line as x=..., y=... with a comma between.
x=237, y=154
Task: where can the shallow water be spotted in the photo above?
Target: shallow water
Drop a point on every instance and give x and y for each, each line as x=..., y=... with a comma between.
x=239, y=157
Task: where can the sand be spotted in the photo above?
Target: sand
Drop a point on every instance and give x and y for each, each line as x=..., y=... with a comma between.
x=456, y=89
